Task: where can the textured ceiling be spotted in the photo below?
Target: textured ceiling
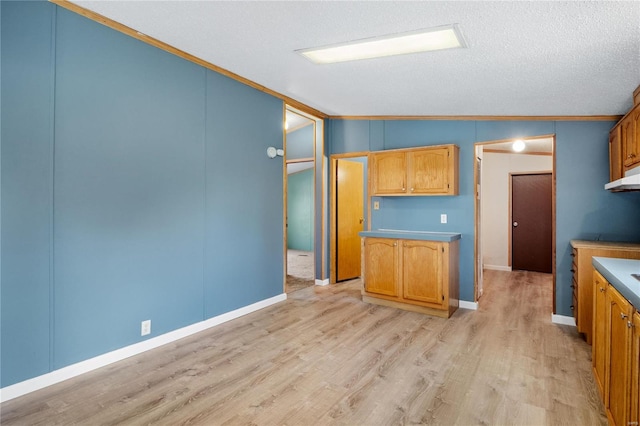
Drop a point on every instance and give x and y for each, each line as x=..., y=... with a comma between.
x=523, y=58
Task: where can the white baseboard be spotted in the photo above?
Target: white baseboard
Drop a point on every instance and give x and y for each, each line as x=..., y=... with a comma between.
x=497, y=268
x=322, y=282
x=65, y=373
x=468, y=305
x=562, y=319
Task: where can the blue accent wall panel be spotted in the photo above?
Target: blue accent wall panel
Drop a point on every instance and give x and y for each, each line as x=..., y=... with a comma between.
x=244, y=231
x=26, y=188
x=300, y=143
x=300, y=210
x=498, y=130
x=584, y=210
x=129, y=185
x=349, y=136
x=412, y=133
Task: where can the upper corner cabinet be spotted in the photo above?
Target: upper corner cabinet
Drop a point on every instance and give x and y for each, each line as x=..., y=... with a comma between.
x=417, y=171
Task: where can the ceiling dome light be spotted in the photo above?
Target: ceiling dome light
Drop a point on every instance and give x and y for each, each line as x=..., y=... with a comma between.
x=518, y=146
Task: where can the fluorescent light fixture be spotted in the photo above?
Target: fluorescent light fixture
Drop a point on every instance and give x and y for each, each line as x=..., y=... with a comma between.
x=518, y=146
x=438, y=38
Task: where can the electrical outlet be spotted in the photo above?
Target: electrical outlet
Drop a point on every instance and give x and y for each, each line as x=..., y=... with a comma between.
x=145, y=328
x=376, y=205
x=443, y=218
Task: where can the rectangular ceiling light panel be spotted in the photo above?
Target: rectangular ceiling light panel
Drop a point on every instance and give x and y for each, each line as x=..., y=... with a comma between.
x=445, y=37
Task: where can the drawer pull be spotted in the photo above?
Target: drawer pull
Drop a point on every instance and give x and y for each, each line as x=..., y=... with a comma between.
x=573, y=270
x=573, y=286
x=571, y=307
x=573, y=254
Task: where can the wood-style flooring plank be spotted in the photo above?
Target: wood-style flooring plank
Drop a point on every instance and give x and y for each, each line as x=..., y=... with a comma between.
x=324, y=357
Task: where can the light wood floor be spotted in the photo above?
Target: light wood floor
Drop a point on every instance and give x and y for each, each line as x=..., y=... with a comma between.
x=324, y=357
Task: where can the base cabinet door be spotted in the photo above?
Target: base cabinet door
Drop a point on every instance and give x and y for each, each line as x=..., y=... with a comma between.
x=598, y=349
x=381, y=266
x=618, y=358
x=634, y=416
x=422, y=271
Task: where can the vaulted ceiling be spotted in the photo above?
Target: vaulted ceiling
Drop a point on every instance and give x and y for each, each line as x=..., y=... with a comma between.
x=523, y=58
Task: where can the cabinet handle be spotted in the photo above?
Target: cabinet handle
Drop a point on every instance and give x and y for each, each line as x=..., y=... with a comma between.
x=629, y=324
x=395, y=244
x=623, y=316
x=601, y=289
x=403, y=188
x=411, y=189
x=571, y=307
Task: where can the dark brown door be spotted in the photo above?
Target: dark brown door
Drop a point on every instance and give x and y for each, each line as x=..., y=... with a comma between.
x=531, y=222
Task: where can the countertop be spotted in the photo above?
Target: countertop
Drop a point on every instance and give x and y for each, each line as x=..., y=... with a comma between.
x=603, y=244
x=412, y=235
x=618, y=273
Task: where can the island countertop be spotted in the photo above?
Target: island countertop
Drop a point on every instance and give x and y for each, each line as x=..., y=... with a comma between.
x=618, y=273
x=412, y=235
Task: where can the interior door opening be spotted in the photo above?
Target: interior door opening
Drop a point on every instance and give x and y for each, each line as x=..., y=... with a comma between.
x=494, y=164
x=299, y=206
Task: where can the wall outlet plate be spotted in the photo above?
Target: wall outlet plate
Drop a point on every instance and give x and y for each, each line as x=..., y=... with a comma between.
x=376, y=205
x=443, y=218
x=145, y=328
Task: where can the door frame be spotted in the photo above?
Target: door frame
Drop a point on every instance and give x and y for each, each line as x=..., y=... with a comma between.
x=333, y=213
x=318, y=208
x=511, y=174
x=553, y=210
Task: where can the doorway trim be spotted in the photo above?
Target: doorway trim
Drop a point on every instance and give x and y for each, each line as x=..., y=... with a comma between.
x=553, y=210
x=318, y=207
x=333, y=208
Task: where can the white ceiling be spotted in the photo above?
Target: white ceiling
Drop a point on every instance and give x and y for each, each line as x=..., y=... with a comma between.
x=524, y=58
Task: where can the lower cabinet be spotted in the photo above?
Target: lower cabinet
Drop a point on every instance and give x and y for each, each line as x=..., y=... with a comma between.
x=634, y=416
x=414, y=275
x=599, y=348
x=616, y=352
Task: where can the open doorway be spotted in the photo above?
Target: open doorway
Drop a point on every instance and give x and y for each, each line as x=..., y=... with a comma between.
x=300, y=199
x=495, y=163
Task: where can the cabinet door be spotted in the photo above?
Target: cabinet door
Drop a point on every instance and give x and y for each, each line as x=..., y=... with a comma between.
x=599, y=347
x=388, y=173
x=618, y=356
x=631, y=138
x=632, y=158
x=615, y=154
x=428, y=171
x=422, y=271
x=634, y=416
x=381, y=266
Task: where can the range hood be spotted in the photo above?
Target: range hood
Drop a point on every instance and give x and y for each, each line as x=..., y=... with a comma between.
x=630, y=181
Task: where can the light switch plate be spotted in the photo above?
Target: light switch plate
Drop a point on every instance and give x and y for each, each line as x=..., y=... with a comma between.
x=376, y=205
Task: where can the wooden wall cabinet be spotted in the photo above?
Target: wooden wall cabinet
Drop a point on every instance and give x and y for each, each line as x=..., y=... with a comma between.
x=414, y=275
x=630, y=132
x=615, y=154
x=582, y=269
x=416, y=171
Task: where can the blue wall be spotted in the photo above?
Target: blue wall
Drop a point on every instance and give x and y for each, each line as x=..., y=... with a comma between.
x=125, y=192
x=583, y=208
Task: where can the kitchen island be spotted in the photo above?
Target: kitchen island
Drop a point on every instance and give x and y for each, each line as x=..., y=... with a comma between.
x=412, y=270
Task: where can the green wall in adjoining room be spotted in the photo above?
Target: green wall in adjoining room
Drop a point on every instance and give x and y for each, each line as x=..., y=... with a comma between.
x=300, y=210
